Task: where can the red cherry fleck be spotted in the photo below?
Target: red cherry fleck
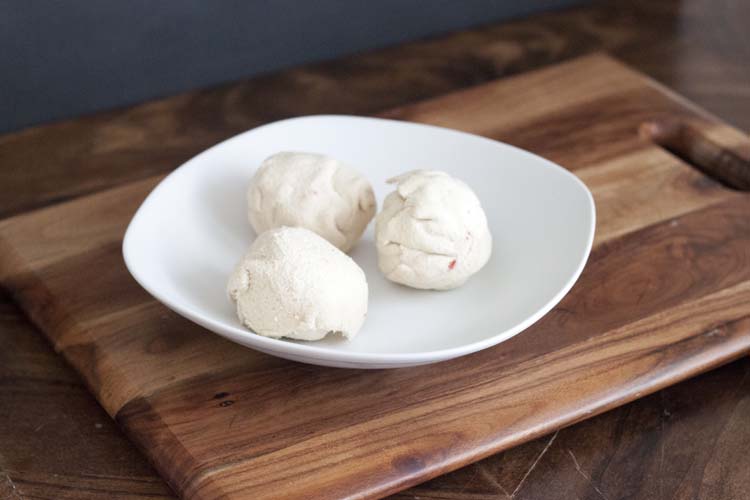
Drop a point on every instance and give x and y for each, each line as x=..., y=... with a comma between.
x=452, y=264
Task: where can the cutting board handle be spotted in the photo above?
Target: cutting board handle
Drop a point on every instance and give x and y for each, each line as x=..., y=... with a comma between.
x=691, y=142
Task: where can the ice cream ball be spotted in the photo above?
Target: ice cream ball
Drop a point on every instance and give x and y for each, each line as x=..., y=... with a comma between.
x=292, y=283
x=432, y=232
x=313, y=191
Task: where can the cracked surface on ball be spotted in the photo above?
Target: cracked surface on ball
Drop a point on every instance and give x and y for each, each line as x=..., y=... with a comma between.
x=432, y=232
x=312, y=191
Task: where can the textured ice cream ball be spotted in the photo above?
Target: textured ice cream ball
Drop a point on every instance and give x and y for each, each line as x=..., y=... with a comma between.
x=311, y=191
x=292, y=283
x=432, y=232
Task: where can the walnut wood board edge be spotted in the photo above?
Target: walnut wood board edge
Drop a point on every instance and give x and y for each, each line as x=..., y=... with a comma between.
x=666, y=295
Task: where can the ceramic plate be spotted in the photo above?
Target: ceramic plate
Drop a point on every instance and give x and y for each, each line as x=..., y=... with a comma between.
x=189, y=233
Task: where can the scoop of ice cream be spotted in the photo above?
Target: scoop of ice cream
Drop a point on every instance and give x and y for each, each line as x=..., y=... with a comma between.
x=292, y=283
x=432, y=232
x=311, y=191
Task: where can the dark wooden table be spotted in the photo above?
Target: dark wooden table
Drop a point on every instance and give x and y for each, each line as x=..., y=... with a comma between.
x=688, y=441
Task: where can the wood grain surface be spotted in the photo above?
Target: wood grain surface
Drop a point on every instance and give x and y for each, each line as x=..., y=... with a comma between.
x=664, y=296
x=42, y=404
x=687, y=441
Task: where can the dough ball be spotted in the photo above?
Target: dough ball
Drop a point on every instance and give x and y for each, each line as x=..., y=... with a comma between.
x=432, y=232
x=292, y=283
x=311, y=191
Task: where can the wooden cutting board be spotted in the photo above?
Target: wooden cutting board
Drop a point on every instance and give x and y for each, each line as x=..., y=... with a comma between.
x=665, y=295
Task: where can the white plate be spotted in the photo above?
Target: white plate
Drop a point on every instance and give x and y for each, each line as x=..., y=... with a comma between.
x=192, y=229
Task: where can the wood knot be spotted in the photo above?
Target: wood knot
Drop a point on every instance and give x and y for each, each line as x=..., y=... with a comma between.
x=162, y=344
x=408, y=464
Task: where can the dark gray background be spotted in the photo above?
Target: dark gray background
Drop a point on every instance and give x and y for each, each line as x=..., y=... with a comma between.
x=63, y=58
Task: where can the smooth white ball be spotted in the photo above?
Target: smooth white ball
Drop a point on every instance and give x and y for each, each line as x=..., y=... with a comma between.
x=292, y=283
x=312, y=191
x=432, y=232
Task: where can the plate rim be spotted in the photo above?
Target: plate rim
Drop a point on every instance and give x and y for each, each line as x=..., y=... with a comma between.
x=314, y=352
